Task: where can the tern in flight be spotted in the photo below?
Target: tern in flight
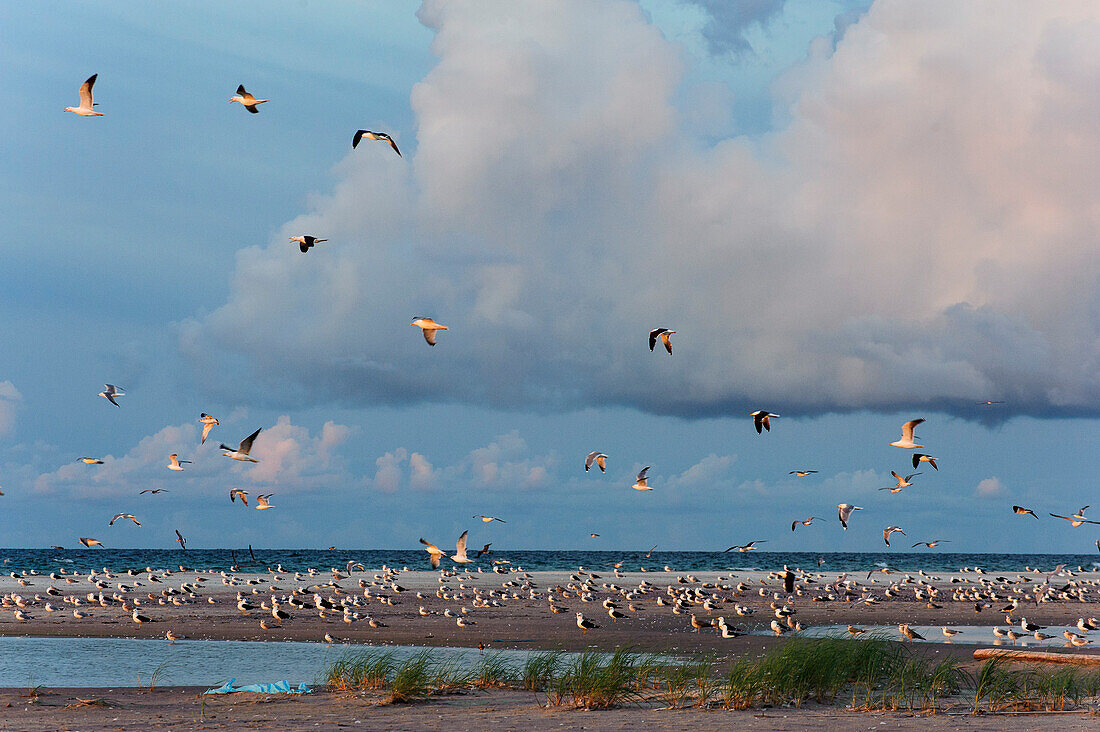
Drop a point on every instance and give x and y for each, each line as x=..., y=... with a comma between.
x=598, y=458
x=844, y=511
x=745, y=547
x=907, y=438
x=665, y=335
x=91, y=461
x=181, y=540
x=110, y=391
x=490, y=519
x=920, y=457
x=642, y=484
x=209, y=421
x=902, y=482
x=429, y=328
x=305, y=243
x=762, y=419
x=174, y=462
x=86, y=108
x=241, y=453
x=931, y=544
x=124, y=516
x=246, y=100
x=88, y=541
x=376, y=136
x=1077, y=519
x=262, y=503
x=1025, y=511
x=802, y=473
x=807, y=522
x=890, y=530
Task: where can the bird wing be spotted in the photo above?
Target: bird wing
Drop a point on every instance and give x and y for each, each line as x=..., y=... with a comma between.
x=589, y=460
x=758, y=420
x=356, y=138
x=241, y=91
x=246, y=443
x=916, y=459
x=460, y=546
x=180, y=539
x=86, y=92
x=431, y=548
x=666, y=338
x=393, y=145
x=642, y=474
x=116, y=518
x=206, y=431
x=429, y=335
x=653, y=337
x=111, y=399
x=601, y=460
x=130, y=516
x=908, y=427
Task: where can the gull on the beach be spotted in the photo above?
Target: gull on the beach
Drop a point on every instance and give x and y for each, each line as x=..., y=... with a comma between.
x=806, y=522
x=235, y=493
x=1030, y=627
x=1025, y=511
x=665, y=335
x=246, y=100
x=949, y=632
x=598, y=458
x=305, y=243
x=920, y=457
x=241, y=453
x=745, y=547
x=88, y=541
x=844, y=511
x=802, y=473
x=110, y=392
x=585, y=624
x=139, y=618
x=174, y=462
x=87, y=106
x=890, y=530
x=209, y=421
x=852, y=630
x=902, y=482
x=762, y=420
x=123, y=516
x=429, y=328
x=376, y=136
x=909, y=633
x=930, y=544
x=641, y=483
x=181, y=540
x=489, y=519
x=91, y=461
x=907, y=438
x=262, y=503
x=172, y=637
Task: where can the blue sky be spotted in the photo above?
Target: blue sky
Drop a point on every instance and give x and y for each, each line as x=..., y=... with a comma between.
x=852, y=216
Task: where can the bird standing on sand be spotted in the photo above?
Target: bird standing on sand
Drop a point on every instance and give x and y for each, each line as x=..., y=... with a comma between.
x=209, y=421
x=665, y=335
x=585, y=624
x=909, y=633
x=844, y=512
x=376, y=136
x=110, y=392
x=641, y=483
x=86, y=108
x=305, y=243
x=949, y=632
x=172, y=637
x=907, y=438
x=242, y=451
x=174, y=462
x=246, y=100
x=429, y=327
x=598, y=458
x=762, y=420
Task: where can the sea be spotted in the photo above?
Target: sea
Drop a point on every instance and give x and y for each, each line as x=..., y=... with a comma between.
x=44, y=561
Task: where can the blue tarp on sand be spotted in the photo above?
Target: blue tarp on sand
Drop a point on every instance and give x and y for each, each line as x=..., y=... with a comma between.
x=282, y=687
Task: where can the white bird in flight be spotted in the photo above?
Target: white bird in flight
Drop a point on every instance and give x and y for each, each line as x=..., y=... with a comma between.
x=844, y=511
x=377, y=136
x=110, y=391
x=241, y=453
x=246, y=100
x=598, y=458
x=435, y=552
x=890, y=530
x=235, y=493
x=124, y=516
x=429, y=328
x=665, y=335
x=174, y=462
x=262, y=503
x=902, y=482
x=209, y=421
x=642, y=482
x=91, y=461
x=489, y=519
x=86, y=108
x=906, y=440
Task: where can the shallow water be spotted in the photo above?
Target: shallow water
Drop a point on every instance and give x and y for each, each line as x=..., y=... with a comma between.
x=106, y=662
x=968, y=634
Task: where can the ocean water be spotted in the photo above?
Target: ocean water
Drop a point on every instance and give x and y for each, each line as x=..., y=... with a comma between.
x=299, y=560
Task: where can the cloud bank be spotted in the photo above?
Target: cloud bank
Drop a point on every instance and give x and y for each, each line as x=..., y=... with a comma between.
x=920, y=233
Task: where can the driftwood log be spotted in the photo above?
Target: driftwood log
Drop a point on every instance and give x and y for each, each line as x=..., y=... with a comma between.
x=1080, y=659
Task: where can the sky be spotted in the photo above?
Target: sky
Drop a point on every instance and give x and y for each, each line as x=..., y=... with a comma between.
x=852, y=213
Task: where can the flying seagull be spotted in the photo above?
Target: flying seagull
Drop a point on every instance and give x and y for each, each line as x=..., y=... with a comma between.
x=377, y=136
x=123, y=516
x=91, y=461
x=919, y=457
x=181, y=540
x=802, y=473
x=209, y=421
x=305, y=243
x=890, y=530
x=641, y=484
x=988, y=404
x=483, y=551
x=844, y=511
x=434, y=552
x=906, y=440
x=154, y=491
x=246, y=100
x=459, y=556
x=1025, y=511
x=762, y=420
x=88, y=541
x=174, y=462
x=807, y=522
x=1077, y=519
x=241, y=453
x=235, y=493
x=86, y=104
x=745, y=547
x=665, y=335
x=110, y=391
x=931, y=544
x=262, y=503
x=598, y=458
x=902, y=482
x=429, y=327
x=490, y=519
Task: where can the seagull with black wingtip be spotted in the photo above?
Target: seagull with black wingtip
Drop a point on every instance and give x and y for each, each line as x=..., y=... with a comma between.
x=209, y=421
x=890, y=530
x=762, y=420
x=1024, y=512
x=306, y=242
x=642, y=482
x=110, y=392
x=242, y=451
x=429, y=328
x=246, y=100
x=598, y=458
x=665, y=335
x=907, y=438
x=902, y=482
x=844, y=512
x=742, y=548
x=376, y=136
x=802, y=473
x=87, y=106
x=920, y=457
x=807, y=522
x=1076, y=519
